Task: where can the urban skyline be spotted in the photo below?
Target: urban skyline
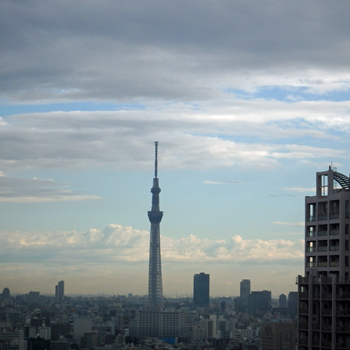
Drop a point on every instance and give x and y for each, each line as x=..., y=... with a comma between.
x=248, y=101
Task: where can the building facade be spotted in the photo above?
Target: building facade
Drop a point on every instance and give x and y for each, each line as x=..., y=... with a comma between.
x=324, y=291
x=244, y=291
x=59, y=292
x=155, y=284
x=278, y=336
x=201, y=283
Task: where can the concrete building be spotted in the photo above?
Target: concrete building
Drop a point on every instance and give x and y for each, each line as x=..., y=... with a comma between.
x=80, y=326
x=201, y=285
x=155, y=284
x=282, y=303
x=59, y=292
x=292, y=304
x=324, y=291
x=259, y=301
x=244, y=291
x=159, y=324
x=278, y=336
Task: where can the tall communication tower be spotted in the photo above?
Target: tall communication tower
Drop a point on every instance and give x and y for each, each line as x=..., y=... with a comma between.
x=155, y=285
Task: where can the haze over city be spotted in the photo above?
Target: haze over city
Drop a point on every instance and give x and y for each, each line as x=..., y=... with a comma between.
x=247, y=100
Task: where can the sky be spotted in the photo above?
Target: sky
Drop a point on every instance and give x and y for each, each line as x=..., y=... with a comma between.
x=247, y=99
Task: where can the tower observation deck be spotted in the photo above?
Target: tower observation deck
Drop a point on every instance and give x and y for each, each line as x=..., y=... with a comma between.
x=155, y=285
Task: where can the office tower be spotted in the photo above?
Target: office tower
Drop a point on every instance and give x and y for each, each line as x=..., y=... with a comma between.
x=59, y=292
x=33, y=297
x=259, y=301
x=201, y=289
x=155, y=286
x=278, y=336
x=244, y=291
x=282, y=301
x=324, y=291
x=292, y=304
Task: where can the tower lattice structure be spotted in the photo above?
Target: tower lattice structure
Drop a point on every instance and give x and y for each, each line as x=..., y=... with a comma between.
x=155, y=285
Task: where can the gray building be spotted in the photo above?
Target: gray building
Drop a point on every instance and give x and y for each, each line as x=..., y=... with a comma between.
x=59, y=292
x=324, y=291
x=244, y=291
x=201, y=289
x=282, y=301
x=259, y=301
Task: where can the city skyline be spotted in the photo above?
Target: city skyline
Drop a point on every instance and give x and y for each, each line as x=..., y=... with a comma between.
x=248, y=100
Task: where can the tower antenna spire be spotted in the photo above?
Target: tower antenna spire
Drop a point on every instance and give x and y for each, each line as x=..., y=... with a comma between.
x=156, y=159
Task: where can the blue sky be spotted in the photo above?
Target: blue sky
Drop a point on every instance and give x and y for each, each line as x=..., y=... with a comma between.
x=247, y=100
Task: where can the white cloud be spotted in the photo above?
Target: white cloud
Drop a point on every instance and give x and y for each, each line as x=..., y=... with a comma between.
x=21, y=190
x=300, y=224
x=208, y=182
x=126, y=245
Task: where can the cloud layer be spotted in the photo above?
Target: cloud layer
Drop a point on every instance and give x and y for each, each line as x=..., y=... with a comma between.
x=183, y=51
x=117, y=244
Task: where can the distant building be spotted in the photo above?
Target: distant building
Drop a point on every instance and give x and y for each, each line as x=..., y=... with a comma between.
x=33, y=297
x=244, y=291
x=6, y=294
x=292, y=304
x=80, y=326
x=278, y=336
x=282, y=301
x=259, y=301
x=59, y=292
x=159, y=324
x=201, y=290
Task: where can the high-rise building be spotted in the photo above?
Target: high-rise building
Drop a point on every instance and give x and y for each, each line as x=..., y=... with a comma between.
x=282, y=301
x=155, y=285
x=259, y=301
x=59, y=292
x=244, y=291
x=292, y=304
x=201, y=289
x=324, y=291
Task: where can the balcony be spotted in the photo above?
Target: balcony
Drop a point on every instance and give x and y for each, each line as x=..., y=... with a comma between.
x=323, y=233
x=343, y=312
x=311, y=218
x=322, y=217
x=326, y=327
x=303, y=325
x=311, y=264
x=342, y=345
x=303, y=341
x=343, y=296
x=334, y=232
x=326, y=312
x=322, y=264
x=334, y=264
x=311, y=249
x=333, y=248
x=326, y=296
x=303, y=310
x=322, y=249
x=334, y=216
x=311, y=234
x=343, y=329
x=303, y=295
